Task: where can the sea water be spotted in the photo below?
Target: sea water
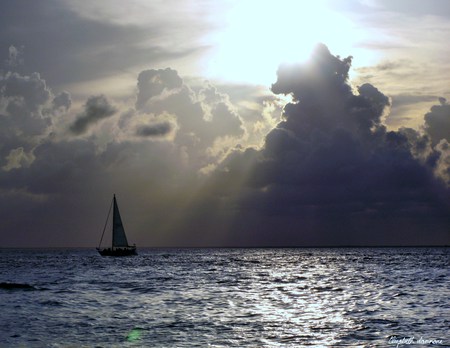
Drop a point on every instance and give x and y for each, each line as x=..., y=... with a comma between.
x=353, y=297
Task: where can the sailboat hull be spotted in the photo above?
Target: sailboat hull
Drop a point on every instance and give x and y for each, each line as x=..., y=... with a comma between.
x=117, y=251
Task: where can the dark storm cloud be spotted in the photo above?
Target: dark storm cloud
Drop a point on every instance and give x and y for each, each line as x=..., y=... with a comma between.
x=154, y=153
x=154, y=130
x=328, y=173
x=31, y=90
x=25, y=117
x=152, y=83
x=38, y=201
x=331, y=173
x=437, y=122
x=65, y=47
x=95, y=109
x=302, y=81
x=62, y=100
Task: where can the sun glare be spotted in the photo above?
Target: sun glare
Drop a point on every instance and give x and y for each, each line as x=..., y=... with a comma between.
x=260, y=35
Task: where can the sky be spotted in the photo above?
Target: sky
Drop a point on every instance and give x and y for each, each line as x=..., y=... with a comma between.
x=225, y=123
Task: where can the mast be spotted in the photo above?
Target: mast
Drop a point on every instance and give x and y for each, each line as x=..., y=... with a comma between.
x=114, y=205
x=106, y=223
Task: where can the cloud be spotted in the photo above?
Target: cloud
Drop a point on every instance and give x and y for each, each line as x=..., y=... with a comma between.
x=63, y=101
x=15, y=56
x=443, y=160
x=99, y=47
x=179, y=158
x=26, y=116
x=155, y=152
x=153, y=130
x=152, y=83
x=330, y=172
x=403, y=68
x=17, y=158
x=95, y=109
x=415, y=7
x=407, y=110
x=437, y=122
x=29, y=91
x=205, y=119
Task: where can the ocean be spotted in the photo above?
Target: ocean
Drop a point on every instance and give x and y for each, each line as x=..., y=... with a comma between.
x=231, y=297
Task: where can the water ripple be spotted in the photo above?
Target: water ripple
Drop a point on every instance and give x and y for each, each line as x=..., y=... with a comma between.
x=224, y=297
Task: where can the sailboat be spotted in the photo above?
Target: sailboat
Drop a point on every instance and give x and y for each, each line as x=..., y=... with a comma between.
x=119, y=245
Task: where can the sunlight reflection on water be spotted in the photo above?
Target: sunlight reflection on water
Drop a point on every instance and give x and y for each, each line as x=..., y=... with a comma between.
x=225, y=297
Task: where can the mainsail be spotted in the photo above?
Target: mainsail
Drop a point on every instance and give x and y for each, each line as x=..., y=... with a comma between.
x=119, y=237
x=119, y=245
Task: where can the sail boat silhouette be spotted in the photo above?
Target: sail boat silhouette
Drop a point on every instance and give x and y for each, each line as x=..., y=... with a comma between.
x=119, y=245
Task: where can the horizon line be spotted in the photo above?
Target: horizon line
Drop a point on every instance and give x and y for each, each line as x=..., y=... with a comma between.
x=242, y=247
